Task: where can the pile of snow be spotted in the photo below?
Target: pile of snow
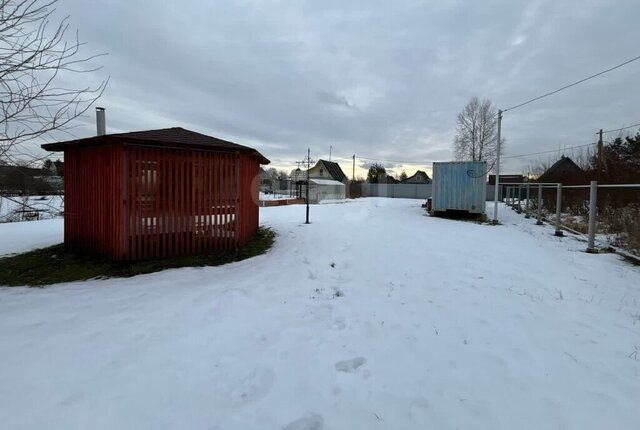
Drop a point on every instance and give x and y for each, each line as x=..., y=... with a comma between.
x=374, y=316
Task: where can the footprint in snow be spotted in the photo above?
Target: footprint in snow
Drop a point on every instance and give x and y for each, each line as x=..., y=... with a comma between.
x=309, y=422
x=338, y=324
x=252, y=386
x=350, y=366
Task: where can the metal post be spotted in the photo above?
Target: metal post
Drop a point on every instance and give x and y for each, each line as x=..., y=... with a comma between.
x=539, y=222
x=497, y=186
x=558, y=210
x=519, y=199
x=528, y=212
x=593, y=207
x=308, y=167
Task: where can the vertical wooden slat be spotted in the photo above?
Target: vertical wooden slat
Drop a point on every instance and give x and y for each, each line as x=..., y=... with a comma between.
x=171, y=165
x=179, y=203
x=136, y=197
x=223, y=202
x=236, y=199
x=197, y=200
x=142, y=201
x=181, y=237
x=163, y=196
x=124, y=201
x=154, y=201
x=193, y=202
x=214, y=190
x=147, y=240
x=156, y=208
x=226, y=201
x=132, y=203
x=187, y=202
x=209, y=202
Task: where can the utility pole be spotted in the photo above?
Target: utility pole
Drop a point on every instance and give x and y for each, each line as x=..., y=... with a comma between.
x=307, y=162
x=353, y=172
x=330, y=148
x=600, y=152
x=497, y=185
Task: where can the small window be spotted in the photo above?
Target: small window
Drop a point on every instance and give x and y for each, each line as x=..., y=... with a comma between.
x=418, y=177
x=321, y=172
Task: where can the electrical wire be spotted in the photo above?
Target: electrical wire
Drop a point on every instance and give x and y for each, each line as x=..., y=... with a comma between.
x=572, y=84
x=547, y=152
x=620, y=129
x=394, y=161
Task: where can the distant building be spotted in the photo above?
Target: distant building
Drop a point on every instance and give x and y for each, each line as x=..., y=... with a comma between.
x=387, y=179
x=328, y=170
x=507, y=179
x=564, y=171
x=420, y=177
x=326, y=189
x=266, y=181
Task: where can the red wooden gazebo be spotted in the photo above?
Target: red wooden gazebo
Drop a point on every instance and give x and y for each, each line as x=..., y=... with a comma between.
x=158, y=193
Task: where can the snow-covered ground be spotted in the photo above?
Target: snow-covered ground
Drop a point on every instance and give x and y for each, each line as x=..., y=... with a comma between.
x=375, y=316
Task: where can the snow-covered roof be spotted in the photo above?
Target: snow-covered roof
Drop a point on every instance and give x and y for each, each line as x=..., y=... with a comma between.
x=325, y=182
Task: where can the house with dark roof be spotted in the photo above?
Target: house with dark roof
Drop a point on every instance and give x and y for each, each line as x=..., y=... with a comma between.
x=420, y=177
x=387, y=179
x=328, y=170
x=158, y=193
x=564, y=171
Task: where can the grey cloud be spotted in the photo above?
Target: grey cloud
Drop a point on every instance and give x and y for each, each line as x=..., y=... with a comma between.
x=333, y=99
x=378, y=79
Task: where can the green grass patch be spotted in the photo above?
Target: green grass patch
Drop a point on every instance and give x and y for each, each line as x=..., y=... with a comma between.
x=56, y=264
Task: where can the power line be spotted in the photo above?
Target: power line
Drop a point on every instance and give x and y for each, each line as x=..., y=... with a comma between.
x=572, y=84
x=548, y=152
x=395, y=161
x=620, y=129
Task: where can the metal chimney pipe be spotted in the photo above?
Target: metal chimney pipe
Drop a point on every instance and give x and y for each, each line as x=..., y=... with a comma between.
x=101, y=121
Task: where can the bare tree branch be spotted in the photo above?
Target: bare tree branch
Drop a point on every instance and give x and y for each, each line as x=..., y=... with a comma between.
x=34, y=55
x=476, y=132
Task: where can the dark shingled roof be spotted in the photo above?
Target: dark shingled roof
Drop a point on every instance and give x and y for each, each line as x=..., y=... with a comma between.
x=412, y=179
x=564, y=170
x=334, y=170
x=175, y=136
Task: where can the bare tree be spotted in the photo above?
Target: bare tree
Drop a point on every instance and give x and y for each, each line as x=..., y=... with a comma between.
x=476, y=132
x=35, y=60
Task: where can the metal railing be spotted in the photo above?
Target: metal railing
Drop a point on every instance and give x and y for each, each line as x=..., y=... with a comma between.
x=516, y=193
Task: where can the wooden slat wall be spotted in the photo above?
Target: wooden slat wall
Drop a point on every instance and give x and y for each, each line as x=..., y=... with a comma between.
x=129, y=202
x=92, y=193
x=249, y=198
x=184, y=201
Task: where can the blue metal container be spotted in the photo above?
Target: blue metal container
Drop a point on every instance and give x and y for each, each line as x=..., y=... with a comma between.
x=459, y=186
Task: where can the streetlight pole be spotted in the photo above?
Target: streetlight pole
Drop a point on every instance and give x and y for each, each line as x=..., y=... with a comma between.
x=497, y=185
x=305, y=162
x=308, y=167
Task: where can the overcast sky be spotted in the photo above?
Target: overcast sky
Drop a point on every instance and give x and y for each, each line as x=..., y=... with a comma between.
x=380, y=79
